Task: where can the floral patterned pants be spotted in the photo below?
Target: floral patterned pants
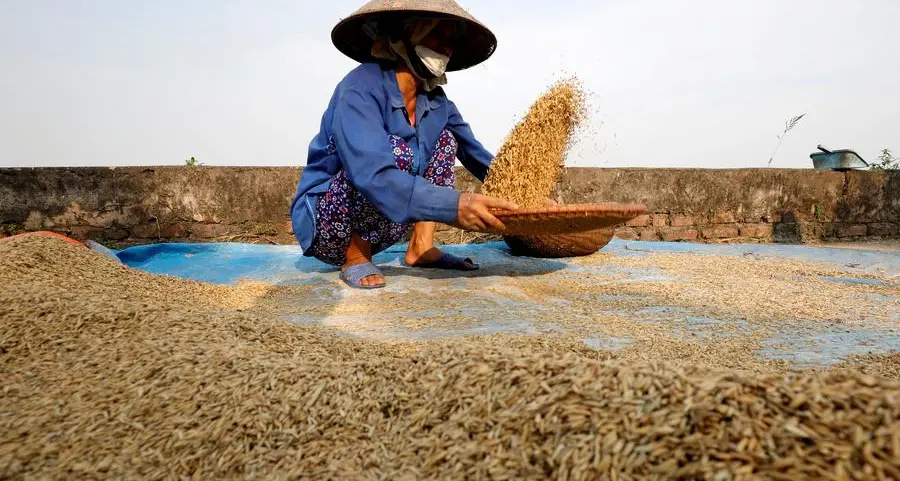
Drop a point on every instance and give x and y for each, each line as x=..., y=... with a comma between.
x=343, y=210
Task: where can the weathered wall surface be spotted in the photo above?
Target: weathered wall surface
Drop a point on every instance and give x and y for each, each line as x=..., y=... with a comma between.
x=157, y=203
x=137, y=205
x=785, y=205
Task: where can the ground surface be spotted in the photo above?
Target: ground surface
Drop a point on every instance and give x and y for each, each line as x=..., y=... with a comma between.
x=625, y=365
x=754, y=307
x=886, y=245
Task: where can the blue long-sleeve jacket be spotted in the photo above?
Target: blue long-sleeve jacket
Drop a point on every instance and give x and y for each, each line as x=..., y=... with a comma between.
x=364, y=110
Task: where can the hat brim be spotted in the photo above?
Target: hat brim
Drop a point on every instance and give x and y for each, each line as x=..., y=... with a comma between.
x=473, y=48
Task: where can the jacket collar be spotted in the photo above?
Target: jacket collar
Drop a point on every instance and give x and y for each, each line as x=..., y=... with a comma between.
x=430, y=100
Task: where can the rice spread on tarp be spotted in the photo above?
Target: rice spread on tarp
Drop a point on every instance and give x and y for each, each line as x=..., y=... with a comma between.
x=109, y=372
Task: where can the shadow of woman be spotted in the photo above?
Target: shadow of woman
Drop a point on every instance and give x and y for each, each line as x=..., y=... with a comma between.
x=494, y=259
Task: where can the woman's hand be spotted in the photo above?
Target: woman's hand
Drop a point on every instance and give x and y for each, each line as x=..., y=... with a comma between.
x=473, y=213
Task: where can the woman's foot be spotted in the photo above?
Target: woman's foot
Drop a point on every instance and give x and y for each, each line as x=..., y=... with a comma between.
x=416, y=257
x=423, y=253
x=421, y=245
x=360, y=252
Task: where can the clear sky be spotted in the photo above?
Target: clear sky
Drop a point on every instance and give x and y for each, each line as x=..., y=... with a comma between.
x=686, y=83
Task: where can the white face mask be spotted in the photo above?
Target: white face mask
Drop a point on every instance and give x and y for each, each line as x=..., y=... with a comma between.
x=435, y=62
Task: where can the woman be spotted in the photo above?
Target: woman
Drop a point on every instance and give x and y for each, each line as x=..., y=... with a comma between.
x=384, y=156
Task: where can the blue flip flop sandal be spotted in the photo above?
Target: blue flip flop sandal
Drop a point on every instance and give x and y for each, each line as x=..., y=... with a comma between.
x=451, y=262
x=355, y=274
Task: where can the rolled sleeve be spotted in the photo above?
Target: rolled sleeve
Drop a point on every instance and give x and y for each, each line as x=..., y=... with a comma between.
x=368, y=159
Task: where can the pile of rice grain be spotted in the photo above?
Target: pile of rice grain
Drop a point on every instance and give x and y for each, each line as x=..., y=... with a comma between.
x=528, y=165
x=112, y=373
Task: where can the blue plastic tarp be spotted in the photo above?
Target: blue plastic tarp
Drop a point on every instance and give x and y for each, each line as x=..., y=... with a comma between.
x=499, y=306
x=226, y=263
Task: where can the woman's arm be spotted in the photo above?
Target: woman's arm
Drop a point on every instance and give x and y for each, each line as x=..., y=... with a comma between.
x=368, y=159
x=473, y=156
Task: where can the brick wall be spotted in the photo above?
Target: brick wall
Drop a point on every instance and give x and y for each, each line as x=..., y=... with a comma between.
x=746, y=205
x=124, y=206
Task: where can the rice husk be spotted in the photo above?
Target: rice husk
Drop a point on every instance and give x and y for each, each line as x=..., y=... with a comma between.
x=530, y=161
x=112, y=373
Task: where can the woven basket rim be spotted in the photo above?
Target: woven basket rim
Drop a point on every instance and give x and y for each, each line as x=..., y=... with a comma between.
x=573, y=210
x=567, y=218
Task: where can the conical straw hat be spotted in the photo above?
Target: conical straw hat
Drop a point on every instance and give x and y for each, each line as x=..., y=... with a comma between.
x=355, y=34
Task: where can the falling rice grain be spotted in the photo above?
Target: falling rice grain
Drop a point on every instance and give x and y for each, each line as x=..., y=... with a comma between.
x=530, y=161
